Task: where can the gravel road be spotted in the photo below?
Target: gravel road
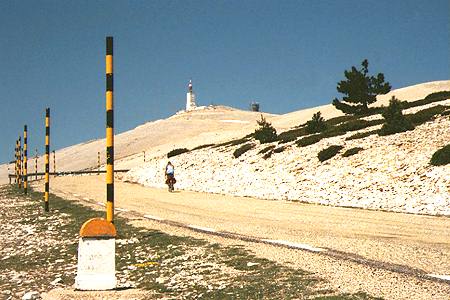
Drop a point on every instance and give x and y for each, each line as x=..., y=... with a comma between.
x=412, y=242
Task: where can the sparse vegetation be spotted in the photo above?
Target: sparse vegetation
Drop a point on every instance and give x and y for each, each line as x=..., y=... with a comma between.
x=202, y=147
x=395, y=121
x=241, y=150
x=268, y=154
x=291, y=135
x=266, y=133
x=176, y=152
x=441, y=157
x=316, y=124
x=442, y=95
x=266, y=149
x=427, y=114
x=329, y=152
x=233, y=142
x=352, y=151
x=147, y=259
x=279, y=149
x=309, y=140
x=360, y=90
x=362, y=135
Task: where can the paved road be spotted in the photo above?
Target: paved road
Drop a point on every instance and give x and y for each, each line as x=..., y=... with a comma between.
x=379, y=253
x=413, y=241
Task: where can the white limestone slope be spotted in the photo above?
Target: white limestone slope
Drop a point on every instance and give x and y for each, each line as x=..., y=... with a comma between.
x=391, y=173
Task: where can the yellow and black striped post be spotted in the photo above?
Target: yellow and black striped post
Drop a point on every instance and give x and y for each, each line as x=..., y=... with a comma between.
x=98, y=163
x=35, y=164
x=54, y=162
x=19, y=166
x=47, y=158
x=16, y=171
x=109, y=131
x=25, y=159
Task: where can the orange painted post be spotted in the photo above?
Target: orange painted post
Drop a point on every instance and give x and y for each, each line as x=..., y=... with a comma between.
x=109, y=131
x=47, y=158
x=25, y=159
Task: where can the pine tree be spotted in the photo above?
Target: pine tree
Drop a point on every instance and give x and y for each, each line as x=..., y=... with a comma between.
x=316, y=124
x=395, y=120
x=360, y=90
x=266, y=133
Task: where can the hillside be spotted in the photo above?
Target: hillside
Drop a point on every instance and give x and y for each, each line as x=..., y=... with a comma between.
x=391, y=173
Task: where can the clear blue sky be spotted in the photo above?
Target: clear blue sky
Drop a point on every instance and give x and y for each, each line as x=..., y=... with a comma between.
x=287, y=55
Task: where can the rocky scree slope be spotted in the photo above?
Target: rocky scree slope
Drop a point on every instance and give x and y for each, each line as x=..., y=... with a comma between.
x=390, y=172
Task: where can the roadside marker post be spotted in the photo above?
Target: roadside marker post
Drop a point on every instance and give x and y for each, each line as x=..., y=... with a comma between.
x=35, y=164
x=25, y=159
x=16, y=170
x=54, y=162
x=98, y=163
x=96, y=269
x=47, y=158
x=19, y=166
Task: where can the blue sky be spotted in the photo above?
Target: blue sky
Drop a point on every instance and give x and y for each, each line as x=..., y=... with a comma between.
x=287, y=55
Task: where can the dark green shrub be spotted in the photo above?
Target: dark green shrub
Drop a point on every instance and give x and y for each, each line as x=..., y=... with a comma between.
x=362, y=135
x=353, y=125
x=426, y=115
x=232, y=142
x=352, y=151
x=316, y=124
x=241, y=150
x=202, y=147
x=395, y=121
x=309, y=140
x=268, y=154
x=265, y=133
x=340, y=119
x=266, y=149
x=445, y=112
x=291, y=135
x=441, y=157
x=279, y=149
x=442, y=95
x=329, y=152
x=176, y=152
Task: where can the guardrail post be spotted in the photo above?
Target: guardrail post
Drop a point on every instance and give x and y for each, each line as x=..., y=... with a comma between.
x=25, y=158
x=19, y=166
x=16, y=171
x=109, y=131
x=35, y=164
x=47, y=158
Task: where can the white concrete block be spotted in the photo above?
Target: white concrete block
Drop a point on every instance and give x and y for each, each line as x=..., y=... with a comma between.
x=96, y=264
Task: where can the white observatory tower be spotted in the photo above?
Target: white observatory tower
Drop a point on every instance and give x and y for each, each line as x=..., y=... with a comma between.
x=190, y=98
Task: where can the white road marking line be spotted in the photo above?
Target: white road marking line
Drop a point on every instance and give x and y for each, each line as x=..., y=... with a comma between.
x=444, y=277
x=121, y=209
x=202, y=228
x=153, y=218
x=295, y=245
